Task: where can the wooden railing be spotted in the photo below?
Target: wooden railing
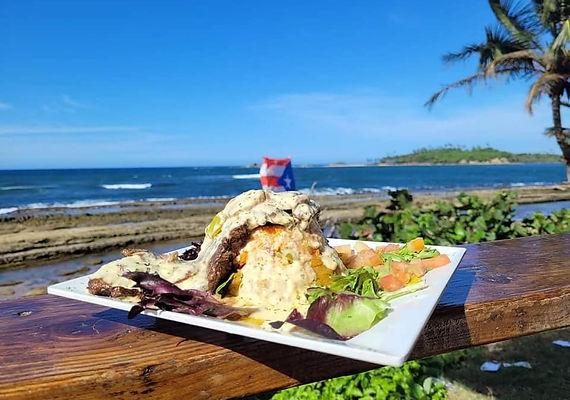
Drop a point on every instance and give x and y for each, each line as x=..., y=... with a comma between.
x=53, y=348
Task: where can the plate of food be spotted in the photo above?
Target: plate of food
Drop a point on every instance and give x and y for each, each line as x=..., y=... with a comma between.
x=265, y=271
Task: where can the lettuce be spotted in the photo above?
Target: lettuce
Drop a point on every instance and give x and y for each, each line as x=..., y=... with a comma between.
x=407, y=255
x=360, y=281
x=341, y=316
x=158, y=293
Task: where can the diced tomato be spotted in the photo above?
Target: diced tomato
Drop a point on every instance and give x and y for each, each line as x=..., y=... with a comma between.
x=400, y=271
x=435, y=262
x=390, y=284
x=416, y=245
x=344, y=252
x=379, y=250
x=417, y=268
x=405, y=271
x=391, y=248
x=361, y=246
x=366, y=258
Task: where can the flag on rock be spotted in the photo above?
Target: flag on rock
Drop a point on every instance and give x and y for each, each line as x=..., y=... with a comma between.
x=277, y=174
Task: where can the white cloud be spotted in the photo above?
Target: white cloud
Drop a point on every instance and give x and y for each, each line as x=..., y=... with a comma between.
x=397, y=119
x=5, y=106
x=72, y=103
x=38, y=129
x=65, y=104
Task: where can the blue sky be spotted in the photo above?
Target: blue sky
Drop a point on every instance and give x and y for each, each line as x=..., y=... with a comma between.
x=144, y=83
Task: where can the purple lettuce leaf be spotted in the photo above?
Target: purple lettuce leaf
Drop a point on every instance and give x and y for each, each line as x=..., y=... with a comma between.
x=313, y=325
x=153, y=283
x=157, y=293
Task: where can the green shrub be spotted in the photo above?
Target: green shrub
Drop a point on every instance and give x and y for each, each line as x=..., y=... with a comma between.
x=414, y=380
x=467, y=219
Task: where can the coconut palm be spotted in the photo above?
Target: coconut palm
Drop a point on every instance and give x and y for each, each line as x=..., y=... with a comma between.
x=530, y=41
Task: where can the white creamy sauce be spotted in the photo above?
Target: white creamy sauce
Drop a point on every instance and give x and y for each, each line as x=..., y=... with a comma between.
x=173, y=271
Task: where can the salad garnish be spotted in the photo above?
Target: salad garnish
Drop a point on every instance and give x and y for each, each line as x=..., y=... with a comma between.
x=357, y=299
x=158, y=293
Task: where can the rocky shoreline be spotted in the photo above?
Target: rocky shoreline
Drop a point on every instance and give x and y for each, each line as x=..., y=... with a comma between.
x=27, y=239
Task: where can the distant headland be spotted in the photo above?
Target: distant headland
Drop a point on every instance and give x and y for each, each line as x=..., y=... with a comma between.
x=460, y=155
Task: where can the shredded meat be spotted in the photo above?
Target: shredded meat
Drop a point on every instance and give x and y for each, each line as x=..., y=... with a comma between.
x=99, y=287
x=222, y=262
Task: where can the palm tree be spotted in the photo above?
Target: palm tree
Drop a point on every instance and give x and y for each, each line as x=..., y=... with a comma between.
x=531, y=41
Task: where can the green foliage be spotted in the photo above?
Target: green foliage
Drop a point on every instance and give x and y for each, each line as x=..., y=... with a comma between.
x=468, y=219
x=455, y=155
x=414, y=380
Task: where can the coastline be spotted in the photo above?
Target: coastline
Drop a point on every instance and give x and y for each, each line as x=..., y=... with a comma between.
x=434, y=164
x=38, y=249
x=30, y=237
x=460, y=164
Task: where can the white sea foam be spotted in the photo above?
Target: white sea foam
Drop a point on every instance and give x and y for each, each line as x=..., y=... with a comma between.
x=160, y=199
x=74, y=204
x=127, y=186
x=246, y=176
x=341, y=191
x=20, y=187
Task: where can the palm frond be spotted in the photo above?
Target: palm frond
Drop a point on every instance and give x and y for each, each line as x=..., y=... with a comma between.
x=464, y=53
x=553, y=132
x=527, y=61
x=497, y=42
x=545, y=85
x=518, y=19
x=563, y=39
x=465, y=83
x=552, y=13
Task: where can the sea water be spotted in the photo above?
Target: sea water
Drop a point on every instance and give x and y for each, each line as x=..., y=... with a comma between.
x=93, y=187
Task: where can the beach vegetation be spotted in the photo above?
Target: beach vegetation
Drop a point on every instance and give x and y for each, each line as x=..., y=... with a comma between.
x=530, y=41
x=461, y=155
x=466, y=219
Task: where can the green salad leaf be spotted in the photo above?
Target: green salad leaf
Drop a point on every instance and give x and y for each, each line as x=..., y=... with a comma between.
x=407, y=255
x=341, y=316
x=411, y=288
x=221, y=289
x=361, y=281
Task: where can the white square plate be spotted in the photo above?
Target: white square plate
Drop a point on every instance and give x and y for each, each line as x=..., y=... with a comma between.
x=388, y=343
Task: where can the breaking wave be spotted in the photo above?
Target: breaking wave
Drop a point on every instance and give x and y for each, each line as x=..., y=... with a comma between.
x=246, y=176
x=127, y=186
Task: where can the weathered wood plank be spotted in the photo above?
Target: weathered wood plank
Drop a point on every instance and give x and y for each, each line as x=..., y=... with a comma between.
x=69, y=349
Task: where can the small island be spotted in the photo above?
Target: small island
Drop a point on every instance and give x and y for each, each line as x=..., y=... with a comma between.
x=460, y=155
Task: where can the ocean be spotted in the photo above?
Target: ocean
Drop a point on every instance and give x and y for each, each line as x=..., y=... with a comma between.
x=34, y=189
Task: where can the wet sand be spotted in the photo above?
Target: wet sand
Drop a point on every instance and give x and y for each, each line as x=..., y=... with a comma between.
x=27, y=238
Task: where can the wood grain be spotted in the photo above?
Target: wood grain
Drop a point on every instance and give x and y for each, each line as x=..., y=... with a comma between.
x=65, y=349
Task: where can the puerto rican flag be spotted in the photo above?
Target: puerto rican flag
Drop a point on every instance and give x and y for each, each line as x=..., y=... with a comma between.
x=277, y=174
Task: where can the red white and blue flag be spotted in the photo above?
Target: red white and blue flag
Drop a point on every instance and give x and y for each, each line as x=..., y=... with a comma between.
x=277, y=174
